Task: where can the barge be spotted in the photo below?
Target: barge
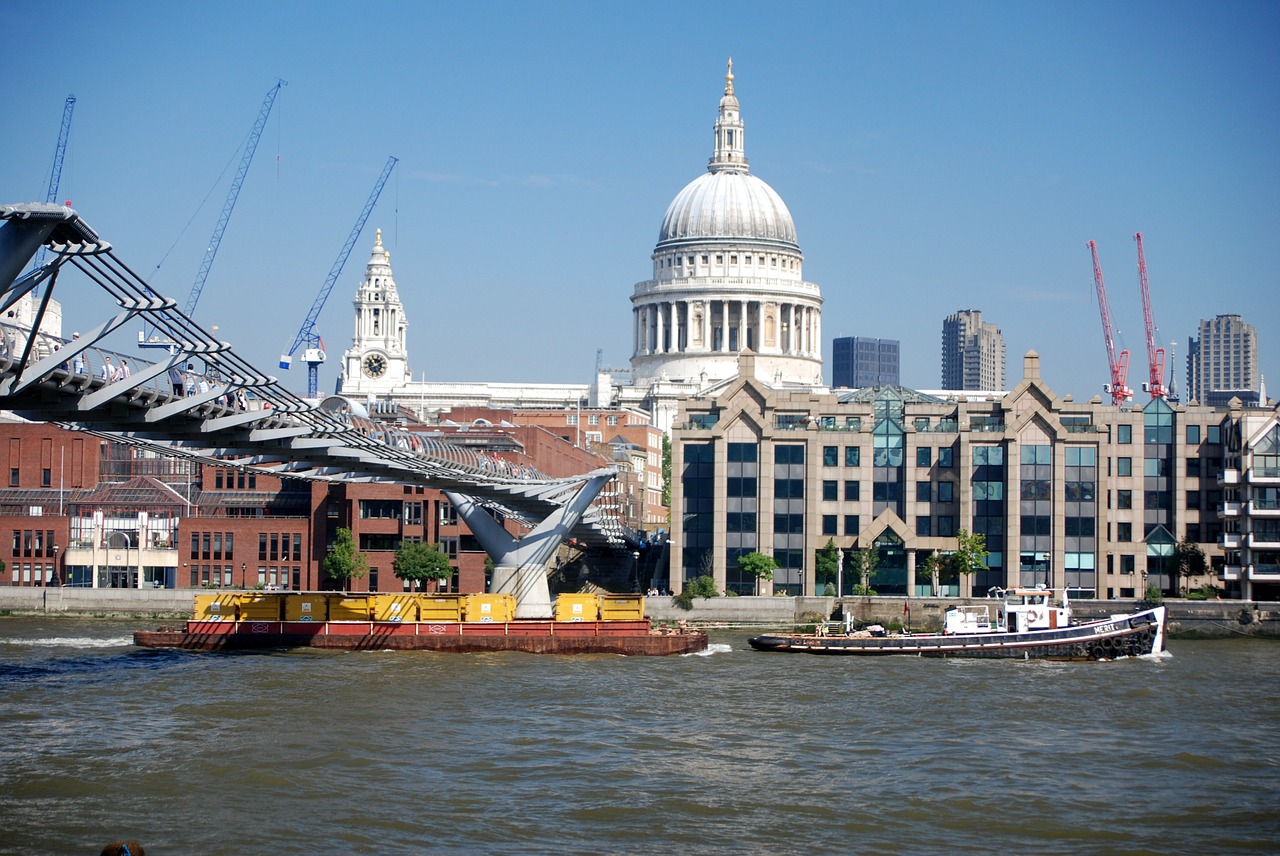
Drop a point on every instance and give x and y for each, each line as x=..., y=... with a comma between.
x=455, y=624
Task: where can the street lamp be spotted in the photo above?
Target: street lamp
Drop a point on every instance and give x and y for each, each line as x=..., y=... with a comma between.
x=57, y=573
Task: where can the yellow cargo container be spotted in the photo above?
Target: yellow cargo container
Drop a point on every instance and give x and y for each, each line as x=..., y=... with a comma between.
x=351, y=607
x=622, y=607
x=260, y=606
x=440, y=607
x=496, y=608
x=220, y=606
x=577, y=606
x=396, y=607
x=307, y=606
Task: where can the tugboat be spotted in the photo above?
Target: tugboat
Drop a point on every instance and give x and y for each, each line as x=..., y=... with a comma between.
x=1026, y=625
x=450, y=623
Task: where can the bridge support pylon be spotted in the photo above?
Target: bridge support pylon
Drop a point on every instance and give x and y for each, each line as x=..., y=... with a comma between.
x=520, y=565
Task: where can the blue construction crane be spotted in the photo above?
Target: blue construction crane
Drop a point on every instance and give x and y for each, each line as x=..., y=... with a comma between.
x=148, y=338
x=314, y=354
x=55, y=175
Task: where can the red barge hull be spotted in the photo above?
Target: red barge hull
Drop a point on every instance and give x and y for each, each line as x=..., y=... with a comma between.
x=530, y=637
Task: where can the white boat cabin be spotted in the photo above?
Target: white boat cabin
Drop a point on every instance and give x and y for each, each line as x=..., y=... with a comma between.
x=1019, y=610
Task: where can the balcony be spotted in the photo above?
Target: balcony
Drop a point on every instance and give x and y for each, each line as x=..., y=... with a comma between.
x=1232, y=573
x=1230, y=541
x=1228, y=477
x=1264, y=573
x=1264, y=475
x=1262, y=509
x=1228, y=510
x=1264, y=540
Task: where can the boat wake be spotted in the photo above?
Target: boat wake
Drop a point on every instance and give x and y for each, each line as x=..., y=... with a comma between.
x=75, y=642
x=715, y=648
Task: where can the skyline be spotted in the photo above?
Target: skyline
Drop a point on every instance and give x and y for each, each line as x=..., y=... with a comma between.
x=935, y=157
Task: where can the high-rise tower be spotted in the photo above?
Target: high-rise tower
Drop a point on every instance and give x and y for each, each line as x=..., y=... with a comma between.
x=1222, y=362
x=973, y=355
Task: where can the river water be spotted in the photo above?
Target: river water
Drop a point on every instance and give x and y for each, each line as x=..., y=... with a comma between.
x=730, y=751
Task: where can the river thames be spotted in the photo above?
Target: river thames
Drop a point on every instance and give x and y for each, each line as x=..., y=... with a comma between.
x=730, y=751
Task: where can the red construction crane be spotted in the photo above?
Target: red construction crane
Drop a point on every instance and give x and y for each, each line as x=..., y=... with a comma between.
x=1155, y=356
x=1119, y=365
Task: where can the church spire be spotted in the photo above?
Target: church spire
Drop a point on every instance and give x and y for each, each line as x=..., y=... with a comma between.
x=730, y=151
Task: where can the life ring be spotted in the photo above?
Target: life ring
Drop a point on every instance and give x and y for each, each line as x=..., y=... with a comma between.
x=1032, y=615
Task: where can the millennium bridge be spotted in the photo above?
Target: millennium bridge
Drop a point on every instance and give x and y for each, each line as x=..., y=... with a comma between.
x=233, y=415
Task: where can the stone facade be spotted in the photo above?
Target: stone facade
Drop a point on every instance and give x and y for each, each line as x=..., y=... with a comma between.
x=1083, y=496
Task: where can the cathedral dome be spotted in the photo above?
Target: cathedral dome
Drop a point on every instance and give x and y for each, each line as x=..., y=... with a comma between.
x=728, y=205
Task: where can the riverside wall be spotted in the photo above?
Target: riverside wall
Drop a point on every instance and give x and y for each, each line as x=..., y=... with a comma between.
x=1187, y=618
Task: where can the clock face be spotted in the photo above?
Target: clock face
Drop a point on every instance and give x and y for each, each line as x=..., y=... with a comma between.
x=375, y=365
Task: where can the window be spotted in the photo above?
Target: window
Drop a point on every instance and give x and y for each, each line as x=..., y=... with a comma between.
x=851, y=524
x=1193, y=499
x=1124, y=531
x=947, y=526
x=924, y=526
x=46, y=477
x=852, y=456
x=1126, y=564
x=1124, y=434
x=1124, y=466
x=924, y=456
x=13, y=477
x=1193, y=435
x=852, y=491
x=571, y=419
x=830, y=490
x=946, y=492
x=1124, y=499
x=829, y=524
x=946, y=458
x=924, y=491
x=830, y=456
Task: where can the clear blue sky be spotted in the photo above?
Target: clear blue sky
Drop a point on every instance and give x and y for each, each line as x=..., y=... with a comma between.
x=935, y=156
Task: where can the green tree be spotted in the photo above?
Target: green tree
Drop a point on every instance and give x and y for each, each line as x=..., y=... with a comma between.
x=417, y=561
x=971, y=553
x=827, y=562
x=1188, y=561
x=931, y=568
x=759, y=566
x=863, y=563
x=343, y=562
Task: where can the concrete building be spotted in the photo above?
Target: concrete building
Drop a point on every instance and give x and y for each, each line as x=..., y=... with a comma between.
x=973, y=356
x=1222, y=362
x=1084, y=496
x=1250, y=506
x=858, y=361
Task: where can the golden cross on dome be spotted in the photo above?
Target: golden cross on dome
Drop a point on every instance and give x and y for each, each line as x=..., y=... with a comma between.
x=379, y=237
x=728, y=79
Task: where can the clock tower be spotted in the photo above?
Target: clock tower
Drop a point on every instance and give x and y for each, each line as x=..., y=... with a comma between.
x=377, y=361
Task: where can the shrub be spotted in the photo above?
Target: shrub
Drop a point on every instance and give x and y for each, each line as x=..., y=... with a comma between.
x=703, y=586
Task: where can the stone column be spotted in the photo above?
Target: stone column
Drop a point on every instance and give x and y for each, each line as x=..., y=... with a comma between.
x=658, y=347
x=675, y=327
